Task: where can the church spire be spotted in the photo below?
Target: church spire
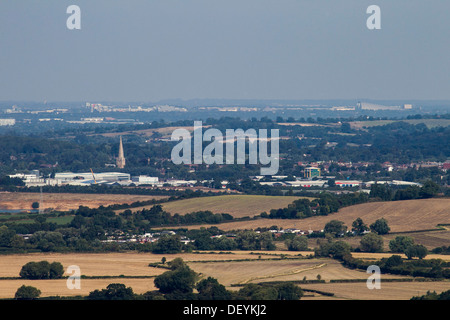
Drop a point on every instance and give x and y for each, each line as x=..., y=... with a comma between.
x=120, y=161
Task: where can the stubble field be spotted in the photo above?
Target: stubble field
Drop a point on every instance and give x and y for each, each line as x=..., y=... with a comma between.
x=402, y=216
x=234, y=268
x=66, y=201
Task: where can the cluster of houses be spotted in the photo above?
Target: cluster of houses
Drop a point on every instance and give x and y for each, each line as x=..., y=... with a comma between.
x=150, y=237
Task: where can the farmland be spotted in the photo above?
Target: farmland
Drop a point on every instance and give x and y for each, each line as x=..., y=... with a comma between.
x=66, y=201
x=237, y=205
x=233, y=269
x=430, y=123
x=388, y=291
x=402, y=216
x=164, y=132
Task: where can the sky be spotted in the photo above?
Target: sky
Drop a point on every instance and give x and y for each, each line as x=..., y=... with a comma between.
x=149, y=50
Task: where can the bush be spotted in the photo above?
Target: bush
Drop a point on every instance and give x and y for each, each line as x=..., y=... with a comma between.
x=114, y=291
x=337, y=250
x=299, y=243
x=371, y=243
x=27, y=293
x=400, y=244
x=42, y=270
x=417, y=250
x=380, y=226
x=211, y=289
x=335, y=227
x=180, y=279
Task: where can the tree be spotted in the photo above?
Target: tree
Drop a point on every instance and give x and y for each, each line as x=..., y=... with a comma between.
x=56, y=270
x=380, y=226
x=335, y=227
x=114, y=291
x=168, y=244
x=336, y=249
x=393, y=261
x=331, y=183
x=179, y=279
x=289, y=291
x=429, y=189
x=371, y=243
x=254, y=291
x=42, y=270
x=35, y=205
x=358, y=226
x=211, y=289
x=381, y=191
x=299, y=243
x=400, y=244
x=27, y=293
x=416, y=250
x=6, y=236
x=339, y=249
x=250, y=240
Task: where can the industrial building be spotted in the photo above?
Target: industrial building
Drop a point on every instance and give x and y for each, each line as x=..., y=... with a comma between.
x=86, y=177
x=312, y=172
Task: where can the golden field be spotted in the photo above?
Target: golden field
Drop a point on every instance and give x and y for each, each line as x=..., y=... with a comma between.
x=388, y=291
x=402, y=216
x=67, y=201
x=259, y=267
x=236, y=205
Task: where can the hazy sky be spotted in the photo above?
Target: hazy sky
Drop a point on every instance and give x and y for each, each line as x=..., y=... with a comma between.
x=147, y=50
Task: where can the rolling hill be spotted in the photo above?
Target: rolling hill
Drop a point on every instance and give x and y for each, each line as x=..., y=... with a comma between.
x=237, y=205
x=402, y=216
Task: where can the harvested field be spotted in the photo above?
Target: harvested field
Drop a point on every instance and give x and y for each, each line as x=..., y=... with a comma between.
x=429, y=239
x=115, y=264
x=218, y=265
x=237, y=205
x=388, y=291
x=59, y=287
x=281, y=270
x=67, y=201
x=402, y=216
x=377, y=256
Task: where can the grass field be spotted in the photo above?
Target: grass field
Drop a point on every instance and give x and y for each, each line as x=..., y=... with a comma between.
x=66, y=201
x=237, y=205
x=402, y=216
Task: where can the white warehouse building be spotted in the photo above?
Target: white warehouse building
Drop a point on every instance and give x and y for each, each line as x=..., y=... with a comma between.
x=67, y=177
